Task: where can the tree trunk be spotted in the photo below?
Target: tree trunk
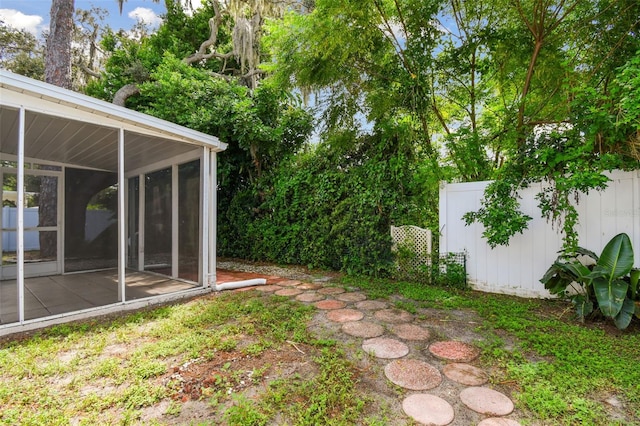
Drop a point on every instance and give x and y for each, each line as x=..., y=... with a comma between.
x=48, y=216
x=57, y=65
x=57, y=71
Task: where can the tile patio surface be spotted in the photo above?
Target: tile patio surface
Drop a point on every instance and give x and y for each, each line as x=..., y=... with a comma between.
x=58, y=294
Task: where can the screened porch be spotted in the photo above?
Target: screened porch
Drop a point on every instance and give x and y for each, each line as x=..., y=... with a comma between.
x=101, y=206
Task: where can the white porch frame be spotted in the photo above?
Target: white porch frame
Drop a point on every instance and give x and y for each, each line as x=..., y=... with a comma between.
x=88, y=119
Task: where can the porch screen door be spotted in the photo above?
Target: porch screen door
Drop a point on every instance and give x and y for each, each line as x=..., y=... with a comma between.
x=41, y=227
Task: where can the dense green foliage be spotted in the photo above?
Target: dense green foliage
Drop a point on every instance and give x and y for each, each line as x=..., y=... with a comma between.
x=279, y=198
x=406, y=94
x=331, y=206
x=519, y=91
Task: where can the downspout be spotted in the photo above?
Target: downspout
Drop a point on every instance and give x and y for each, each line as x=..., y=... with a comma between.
x=239, y=284
x=211, y=189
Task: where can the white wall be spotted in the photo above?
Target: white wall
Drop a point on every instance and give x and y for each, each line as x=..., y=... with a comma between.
x=517, y=268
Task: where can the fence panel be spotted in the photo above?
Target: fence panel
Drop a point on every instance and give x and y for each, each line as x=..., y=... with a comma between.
x=517, y=268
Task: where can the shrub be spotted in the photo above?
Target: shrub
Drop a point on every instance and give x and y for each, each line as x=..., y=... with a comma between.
x=608, y=285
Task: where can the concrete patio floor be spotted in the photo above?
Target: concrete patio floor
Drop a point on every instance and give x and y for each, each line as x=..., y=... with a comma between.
x=61, y=294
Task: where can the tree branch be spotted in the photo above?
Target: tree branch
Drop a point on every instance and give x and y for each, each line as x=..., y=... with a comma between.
x=124, y=93
x=214, y=25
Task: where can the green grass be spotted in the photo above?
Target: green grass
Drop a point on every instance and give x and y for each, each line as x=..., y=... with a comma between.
x=561, y=370
x=109, y=372
x=330, y=397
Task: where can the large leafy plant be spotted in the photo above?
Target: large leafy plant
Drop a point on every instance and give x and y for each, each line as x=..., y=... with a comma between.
x=608, y=285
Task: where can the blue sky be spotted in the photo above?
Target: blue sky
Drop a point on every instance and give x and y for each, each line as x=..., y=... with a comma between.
x=33, y=15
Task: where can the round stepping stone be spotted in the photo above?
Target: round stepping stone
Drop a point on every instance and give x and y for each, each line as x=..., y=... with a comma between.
x=486, y=401
x=498, y=421
x=330, y=304
x=331, y=290
x=393, y=315
x=428, y=409
x=288, y=292
x=289, y=283
x=381, y=347
x=466, y=374
x=309, y=286
x=370, y=305
x=344, y=315
x=413, y=374
x=410, y=332
x=351, y=297
x=243, y=289
x=454, y=351
x=363, y=329
x=267, y=288
x=309, y=297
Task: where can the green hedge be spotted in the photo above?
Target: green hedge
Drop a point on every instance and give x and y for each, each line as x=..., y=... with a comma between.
x=330, y=206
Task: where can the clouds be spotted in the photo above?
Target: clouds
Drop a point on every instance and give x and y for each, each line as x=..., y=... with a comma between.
x=20, y=21
x=145, y=15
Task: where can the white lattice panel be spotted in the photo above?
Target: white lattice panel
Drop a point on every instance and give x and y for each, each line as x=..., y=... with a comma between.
x=414, y=239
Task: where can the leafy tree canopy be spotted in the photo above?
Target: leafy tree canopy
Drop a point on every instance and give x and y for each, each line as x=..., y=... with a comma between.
x=21, y=52
x=518, y=91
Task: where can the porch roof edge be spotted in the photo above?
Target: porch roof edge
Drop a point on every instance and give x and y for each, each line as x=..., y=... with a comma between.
x=38, y=89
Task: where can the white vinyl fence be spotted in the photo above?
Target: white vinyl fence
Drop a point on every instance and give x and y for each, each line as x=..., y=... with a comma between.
x=96, y=222
x=517, y=268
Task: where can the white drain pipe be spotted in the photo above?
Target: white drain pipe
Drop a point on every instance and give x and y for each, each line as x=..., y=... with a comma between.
x=240, y=284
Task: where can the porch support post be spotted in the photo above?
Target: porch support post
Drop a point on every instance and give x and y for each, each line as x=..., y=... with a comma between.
x=175, y=221
x=141, y=212
x=213, y=197
x=20, y=218
x=205, y=186
x=122, y=251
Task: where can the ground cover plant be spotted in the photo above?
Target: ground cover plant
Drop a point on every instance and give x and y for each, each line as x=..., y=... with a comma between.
x=252, y=359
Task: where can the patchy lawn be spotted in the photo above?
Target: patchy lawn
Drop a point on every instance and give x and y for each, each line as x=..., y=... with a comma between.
x=248, y=358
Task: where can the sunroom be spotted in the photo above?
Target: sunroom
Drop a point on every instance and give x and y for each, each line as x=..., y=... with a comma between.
x=103, y=208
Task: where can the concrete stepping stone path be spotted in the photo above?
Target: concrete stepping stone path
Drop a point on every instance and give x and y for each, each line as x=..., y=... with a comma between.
x=454, y=351
x=395, y=316
x=486, y=401
x=350, y=309
x=363, y=329
x=413, y=374
x=288, y=292
x=309, y=286
x=410, y=332
x=330, y=304
x=309, y=297
x=331, y=290
x=428, y=409
x=382, y=347
x=371, y=305
x=269, y=288
x=465, y=374
x=351, y=297
x=344, y=315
